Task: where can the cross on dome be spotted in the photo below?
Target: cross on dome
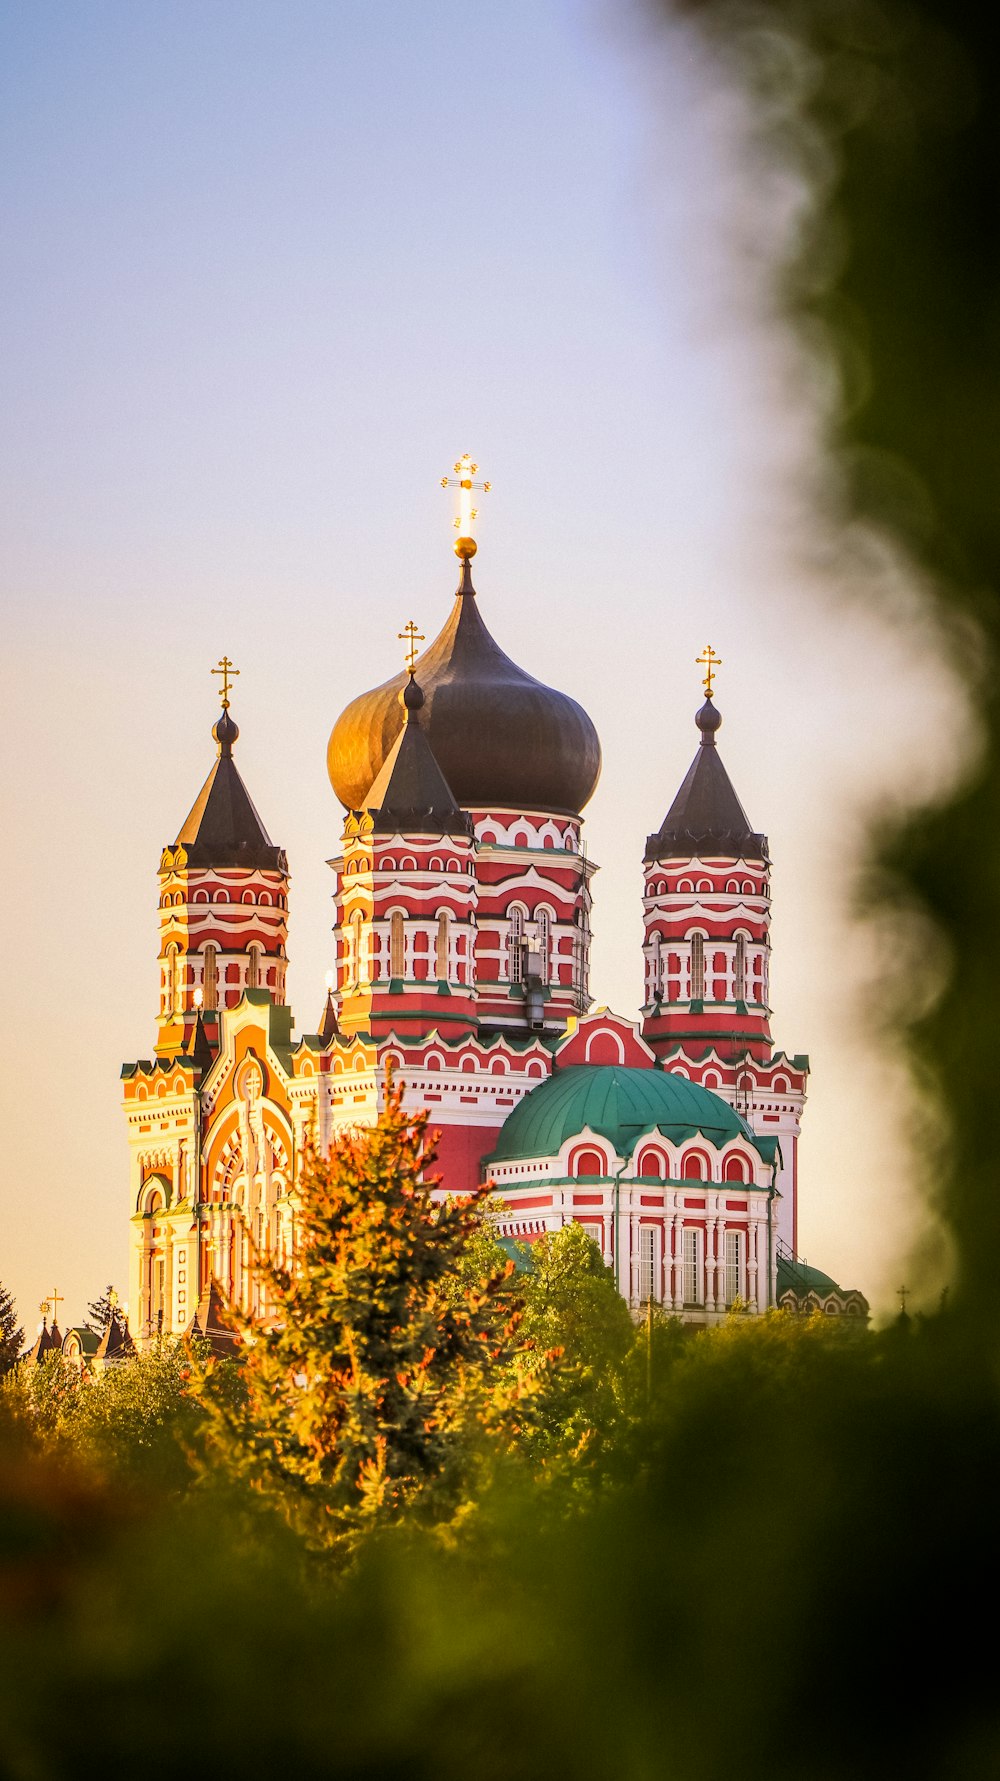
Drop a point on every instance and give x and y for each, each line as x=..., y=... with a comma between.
x=710, y=662
x=409, y=634
x=227, y=672
x=464, y=481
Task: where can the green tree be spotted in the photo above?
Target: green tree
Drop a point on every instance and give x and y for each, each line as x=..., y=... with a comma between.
x=571, y=1306
x=382, y=1376
x=99, y=1311
x=11, y=1332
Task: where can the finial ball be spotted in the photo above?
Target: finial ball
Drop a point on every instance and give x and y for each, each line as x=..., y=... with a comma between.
x=465, y=547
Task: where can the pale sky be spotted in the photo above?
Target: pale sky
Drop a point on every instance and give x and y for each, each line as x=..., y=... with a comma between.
x=270, y=268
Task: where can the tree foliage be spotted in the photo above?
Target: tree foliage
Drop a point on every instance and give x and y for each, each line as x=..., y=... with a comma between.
x=388, y=1361
x=11, y=1332
x=101, y=1310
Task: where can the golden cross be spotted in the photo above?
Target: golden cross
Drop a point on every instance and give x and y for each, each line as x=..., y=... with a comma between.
x=228, y=672
x=412, y=636
x=462, y=480
x=52, y=1303
x=710, y=662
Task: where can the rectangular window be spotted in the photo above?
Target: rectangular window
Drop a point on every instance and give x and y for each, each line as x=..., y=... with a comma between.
x=647, y=1263
x=396, y=944
x=740, y=969
x=697, y=967
x=734, y=1258
x=692, y=1272
x=441, y=950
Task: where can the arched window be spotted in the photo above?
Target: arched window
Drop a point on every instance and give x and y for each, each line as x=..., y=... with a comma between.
x=697, y=967
x=735, y=1169
x=253, y=967
x=396, y=944
x=740, y=968
x=441, y=948
x=650, y=1166
x=210, y=978
x=693, y=1167
x=587, y=1162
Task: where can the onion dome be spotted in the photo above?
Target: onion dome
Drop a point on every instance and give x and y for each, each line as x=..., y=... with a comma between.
x=622, y=1104
x=500, y=737
x=223, y=828
x=706, y=816
x=411, y=795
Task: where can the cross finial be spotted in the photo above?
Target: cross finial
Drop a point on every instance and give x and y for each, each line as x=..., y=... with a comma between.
x=409, y=634
x=52, y=1304
x=710, y=662
x=464, y=481
x=903, y=1292
x=228, y=672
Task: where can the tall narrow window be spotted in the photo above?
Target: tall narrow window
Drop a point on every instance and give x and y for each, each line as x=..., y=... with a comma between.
x=655, y=968
x=733, y=1269
x=697, y=967
x=360, y=938
x=210, y=978
x=172, y=985
x=396, y=940
x=542, y=931
x=516, y=946
x=647, y=1263
x=692, y=1282
x=253, y=967
x=740, y=969
x=441, y=950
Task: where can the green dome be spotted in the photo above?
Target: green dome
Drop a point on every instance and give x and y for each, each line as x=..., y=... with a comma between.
x=619, y=1104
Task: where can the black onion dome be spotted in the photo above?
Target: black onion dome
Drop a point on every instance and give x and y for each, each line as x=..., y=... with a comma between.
x=706, y=816
x=500, y=737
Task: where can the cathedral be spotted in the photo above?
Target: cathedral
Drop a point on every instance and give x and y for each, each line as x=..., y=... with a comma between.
x=463, y=906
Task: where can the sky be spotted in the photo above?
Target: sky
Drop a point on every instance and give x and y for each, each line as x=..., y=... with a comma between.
x=269, y=269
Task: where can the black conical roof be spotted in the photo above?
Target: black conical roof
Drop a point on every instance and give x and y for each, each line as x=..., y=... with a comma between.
x=500, y=736
x=411, y=794
x=706, y=816
x=222, y=827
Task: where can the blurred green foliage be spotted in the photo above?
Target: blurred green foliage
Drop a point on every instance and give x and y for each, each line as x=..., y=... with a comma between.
x=782, y=1556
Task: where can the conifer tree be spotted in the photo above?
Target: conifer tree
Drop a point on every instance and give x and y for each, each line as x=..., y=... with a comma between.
x=11, y=1332
x=375, y=1381
x=99, y=1311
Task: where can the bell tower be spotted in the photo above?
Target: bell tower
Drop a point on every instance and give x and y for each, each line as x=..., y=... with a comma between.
x=707, y=946
x=223, y=902
x=707, y=913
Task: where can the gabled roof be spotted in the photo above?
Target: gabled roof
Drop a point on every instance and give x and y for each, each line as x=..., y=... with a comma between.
x=211, y=1322
x=411, y=795
x=222, y=827
x=116, y=1342
x=706, y=816
x=45, y=1343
